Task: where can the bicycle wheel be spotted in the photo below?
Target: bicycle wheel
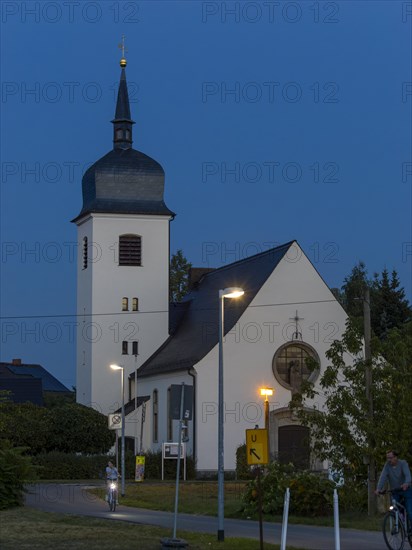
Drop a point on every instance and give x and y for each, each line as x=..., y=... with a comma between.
x=393, y=535
x=114, y=493
x=112, y=502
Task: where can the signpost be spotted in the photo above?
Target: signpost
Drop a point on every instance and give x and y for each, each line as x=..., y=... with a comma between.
x=257, y=450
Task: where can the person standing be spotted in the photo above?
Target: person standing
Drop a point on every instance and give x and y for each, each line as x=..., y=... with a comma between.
x=398, y=474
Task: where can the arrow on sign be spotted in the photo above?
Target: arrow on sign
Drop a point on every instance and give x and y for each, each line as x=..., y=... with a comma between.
x=253, y=452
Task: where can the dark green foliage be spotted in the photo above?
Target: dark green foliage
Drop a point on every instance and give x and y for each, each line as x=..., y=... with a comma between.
x=81, y=429
x=310, y=494
x=179, y=276
x=57, y=465
x=26, y=425
x=67, y=428
x=16, y=470
x=243, y=470
x=389, y=307
x=341, y=432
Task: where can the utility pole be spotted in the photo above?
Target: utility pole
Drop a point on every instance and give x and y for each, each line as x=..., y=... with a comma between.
x=369, y=397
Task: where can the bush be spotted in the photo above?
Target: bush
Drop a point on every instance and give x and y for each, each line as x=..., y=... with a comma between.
x=56, y=465
x=15, y=470
x=310, y=494
x=243, y=470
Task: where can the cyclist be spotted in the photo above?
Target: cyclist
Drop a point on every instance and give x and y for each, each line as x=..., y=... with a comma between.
x=397, y=472
x=111, y=475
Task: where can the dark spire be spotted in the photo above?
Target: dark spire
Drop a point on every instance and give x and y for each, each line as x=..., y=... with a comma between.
x=122, y=136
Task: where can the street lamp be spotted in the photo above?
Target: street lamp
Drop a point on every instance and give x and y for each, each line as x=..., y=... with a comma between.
x=118, y=367
x=266, y=392
x=232, y=292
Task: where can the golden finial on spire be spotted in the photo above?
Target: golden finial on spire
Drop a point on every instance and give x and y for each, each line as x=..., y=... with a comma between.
x=123, y=61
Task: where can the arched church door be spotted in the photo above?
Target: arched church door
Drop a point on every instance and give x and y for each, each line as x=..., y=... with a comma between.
x=293, y=446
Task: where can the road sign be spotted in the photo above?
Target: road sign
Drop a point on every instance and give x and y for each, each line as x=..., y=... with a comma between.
x=115, y=421
x=257, y=447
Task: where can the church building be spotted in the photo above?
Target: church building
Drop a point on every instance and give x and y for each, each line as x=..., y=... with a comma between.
x=286, y=315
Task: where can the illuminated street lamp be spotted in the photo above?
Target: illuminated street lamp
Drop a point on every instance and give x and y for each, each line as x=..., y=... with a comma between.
x=118, y=367
x=232, y=292
x=267, y=392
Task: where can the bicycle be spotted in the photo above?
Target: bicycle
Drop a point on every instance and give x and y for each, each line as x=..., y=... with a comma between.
x=112, y=495
x=396, y=524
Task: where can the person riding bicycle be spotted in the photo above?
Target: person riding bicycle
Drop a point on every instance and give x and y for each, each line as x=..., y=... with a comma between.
x=111, y=474
x=397, y=472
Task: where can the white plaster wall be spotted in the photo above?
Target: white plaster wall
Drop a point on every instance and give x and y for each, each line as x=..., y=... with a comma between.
x=249, y=349
x=101, y=288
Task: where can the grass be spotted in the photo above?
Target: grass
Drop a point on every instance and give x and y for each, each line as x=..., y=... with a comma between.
x=29, y=529
x=201, y=498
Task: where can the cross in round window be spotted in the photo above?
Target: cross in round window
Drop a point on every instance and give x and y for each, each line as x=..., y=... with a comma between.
x=293, y=363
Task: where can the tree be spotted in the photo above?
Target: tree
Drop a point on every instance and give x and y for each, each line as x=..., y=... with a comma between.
x=389, y=306
x=76, y=428
x=179, y=276
x=341, y=429
x=69, y=428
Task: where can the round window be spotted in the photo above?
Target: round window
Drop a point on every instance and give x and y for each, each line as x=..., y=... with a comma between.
x=295, y=362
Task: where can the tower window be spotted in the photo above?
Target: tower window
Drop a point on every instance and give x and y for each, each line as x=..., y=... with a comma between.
x=85, y=256
x=130, y=250
x=125, y=348
x=125, y=304
x=119, y=133
x=135, y=304
x=135, y=348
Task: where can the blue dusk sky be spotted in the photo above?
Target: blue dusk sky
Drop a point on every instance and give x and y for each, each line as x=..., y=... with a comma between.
x=272, y=120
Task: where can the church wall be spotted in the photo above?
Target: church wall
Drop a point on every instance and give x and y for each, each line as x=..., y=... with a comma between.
x=249, y=350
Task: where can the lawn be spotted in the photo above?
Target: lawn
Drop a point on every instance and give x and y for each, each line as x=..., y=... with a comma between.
x=29, y=529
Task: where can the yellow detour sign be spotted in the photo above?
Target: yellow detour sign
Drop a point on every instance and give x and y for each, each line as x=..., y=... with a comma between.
x=257, y=447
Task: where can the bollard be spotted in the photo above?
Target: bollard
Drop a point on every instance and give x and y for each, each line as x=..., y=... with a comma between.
x=285, y=519
x=336, y=518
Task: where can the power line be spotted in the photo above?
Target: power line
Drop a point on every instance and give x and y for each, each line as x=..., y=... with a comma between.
x=125, y=313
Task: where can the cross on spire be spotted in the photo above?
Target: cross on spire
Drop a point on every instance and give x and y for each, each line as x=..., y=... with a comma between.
x=123, y=48
x=297, y=335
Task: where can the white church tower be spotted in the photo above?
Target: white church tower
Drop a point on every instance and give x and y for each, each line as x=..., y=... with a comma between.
x=122, y=266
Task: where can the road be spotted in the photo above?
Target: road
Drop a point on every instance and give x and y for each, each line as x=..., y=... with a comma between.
x=75, y=499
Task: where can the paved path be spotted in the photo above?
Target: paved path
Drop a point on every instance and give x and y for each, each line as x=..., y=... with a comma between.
x=74, y=499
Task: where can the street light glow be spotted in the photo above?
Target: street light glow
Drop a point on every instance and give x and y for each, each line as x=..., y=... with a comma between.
x=116, y=367
x=267, y=392
x=231, y=292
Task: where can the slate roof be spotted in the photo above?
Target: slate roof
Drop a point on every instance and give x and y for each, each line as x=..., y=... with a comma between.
x=196, y=332
x=23, y=389
x=124, y=181
x=49, y=382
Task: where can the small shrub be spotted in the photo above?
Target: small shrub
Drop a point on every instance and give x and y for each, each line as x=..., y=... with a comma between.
x=242, y=468
x=16, y=470
x=310, y=493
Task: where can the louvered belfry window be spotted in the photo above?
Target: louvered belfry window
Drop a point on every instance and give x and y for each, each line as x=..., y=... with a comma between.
x=130, y=250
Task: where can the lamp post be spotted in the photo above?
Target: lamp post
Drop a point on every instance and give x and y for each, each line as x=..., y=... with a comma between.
x=266, y=392
x=118, y=367
x=233, y=292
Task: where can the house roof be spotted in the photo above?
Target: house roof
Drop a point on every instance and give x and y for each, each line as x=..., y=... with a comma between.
x=195, y=322
x=23, y=389
x=49, y=382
